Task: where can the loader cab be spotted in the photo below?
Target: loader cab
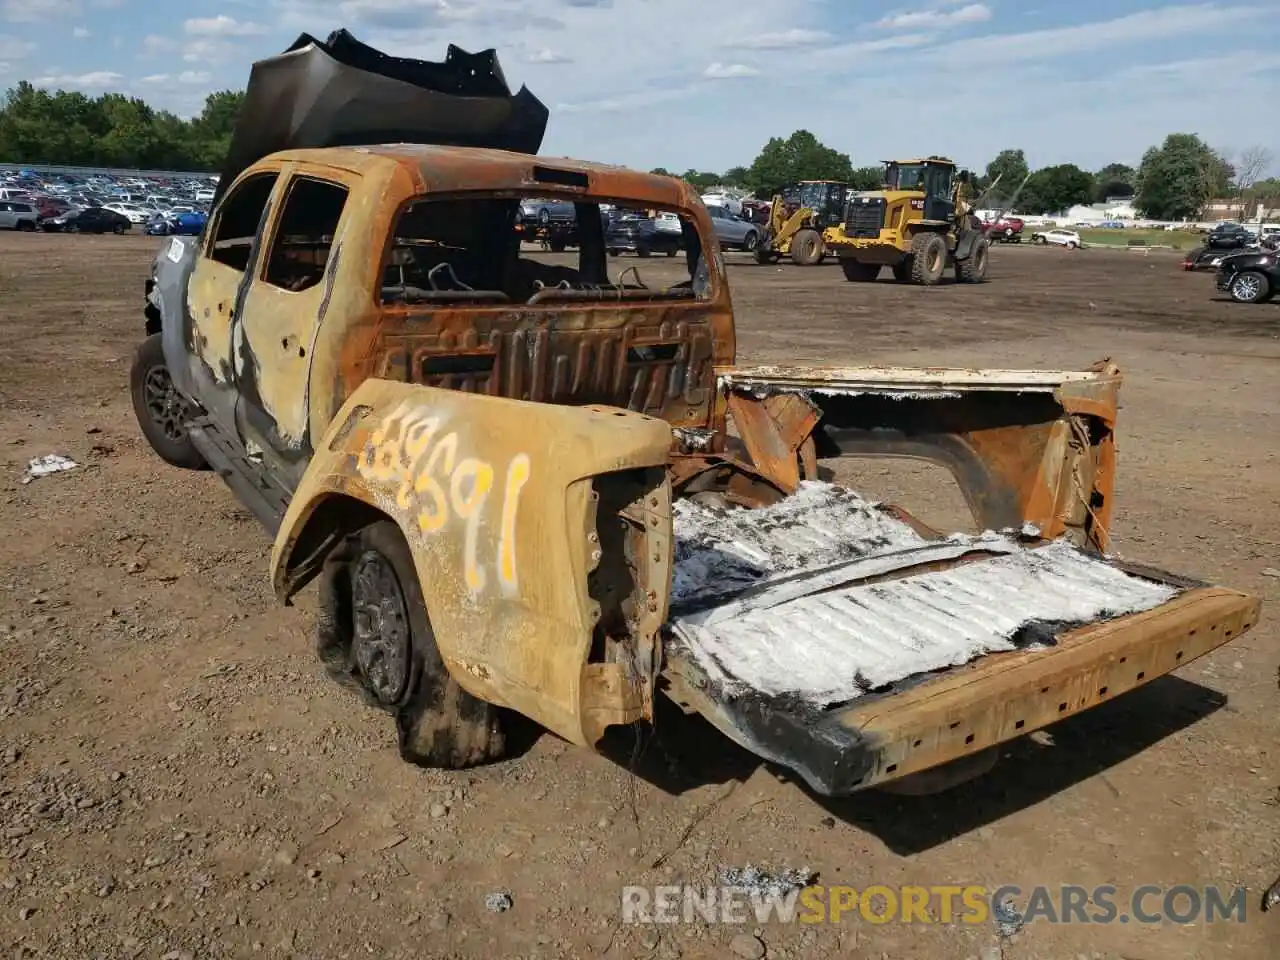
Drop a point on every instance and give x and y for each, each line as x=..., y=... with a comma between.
x=932, y=176
x=826, y=198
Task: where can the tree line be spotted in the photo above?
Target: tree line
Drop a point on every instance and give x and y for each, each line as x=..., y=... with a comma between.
x=113, y=130
x=1173, y=181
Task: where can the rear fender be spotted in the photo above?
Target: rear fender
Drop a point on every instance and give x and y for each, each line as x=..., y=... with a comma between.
x=1024, y=446
x=541, y=535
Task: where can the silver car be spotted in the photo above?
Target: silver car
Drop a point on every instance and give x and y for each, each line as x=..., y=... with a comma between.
x=17, y=215
x=734, y=232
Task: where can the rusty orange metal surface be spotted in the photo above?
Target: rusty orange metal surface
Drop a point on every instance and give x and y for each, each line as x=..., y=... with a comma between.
x=509, y=509
x=1024, y=446
x=1004, y=696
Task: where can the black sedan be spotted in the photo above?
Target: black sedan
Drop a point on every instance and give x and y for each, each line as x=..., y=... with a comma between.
x=1250, y=277
x=641, y=236
x=87, y=220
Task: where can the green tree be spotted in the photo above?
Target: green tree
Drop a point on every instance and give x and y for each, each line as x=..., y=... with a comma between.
x=1114, y=180
x=38, y=126
x=734, y=177
x=1177, y=179
x=867, y=178
x=800, y=157
x=1055, y=189
x=1011, y=167
x=662, y=172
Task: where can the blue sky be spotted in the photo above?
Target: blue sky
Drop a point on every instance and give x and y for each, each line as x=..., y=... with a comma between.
x=703, y=83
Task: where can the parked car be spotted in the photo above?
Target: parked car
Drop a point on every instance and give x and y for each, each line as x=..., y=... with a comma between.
x=734, y=232
x=18, y=215
x=1061, y=238
x=641, y=236
x=1250, y=277
x=1229, y=236
x=545, y=211
x=1004, y=230
x=177, y=224
x=88, y=220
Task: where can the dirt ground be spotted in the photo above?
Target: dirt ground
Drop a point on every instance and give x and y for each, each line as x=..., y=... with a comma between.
x=178, y=780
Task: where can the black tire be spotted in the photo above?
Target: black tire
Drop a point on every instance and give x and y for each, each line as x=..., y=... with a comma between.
x=672, y=251
x=928, y=258
x=374, y=633
x=902, y=270
x=72, y=228
x=643, y=252
x=544, y=216
x=614, y=251
x=26, y=226
x=557, y=244
x=807, y=248
x=119, y=229
x=161, y=411
x=750, y=242
x=973, y=269
x=1250, y=286
x=764, y=256
x=856, y=272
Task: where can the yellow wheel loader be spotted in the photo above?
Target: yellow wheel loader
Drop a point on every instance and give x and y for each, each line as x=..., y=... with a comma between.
x=918, y=226
x=800, y=220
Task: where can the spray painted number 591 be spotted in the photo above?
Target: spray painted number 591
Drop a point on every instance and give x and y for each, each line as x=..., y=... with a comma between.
x=438, y=487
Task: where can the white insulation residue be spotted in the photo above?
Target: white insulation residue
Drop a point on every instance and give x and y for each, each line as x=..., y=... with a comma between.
x=832, y=646
x=721, y=551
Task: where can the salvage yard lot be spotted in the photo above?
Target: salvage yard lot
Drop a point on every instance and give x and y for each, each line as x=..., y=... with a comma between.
x=177, y=777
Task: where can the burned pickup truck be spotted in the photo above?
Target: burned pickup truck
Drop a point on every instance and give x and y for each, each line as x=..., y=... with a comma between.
x=525, y=486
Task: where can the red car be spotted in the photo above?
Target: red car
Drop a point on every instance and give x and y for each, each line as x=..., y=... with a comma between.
x=50, y=206
x=1004, y=230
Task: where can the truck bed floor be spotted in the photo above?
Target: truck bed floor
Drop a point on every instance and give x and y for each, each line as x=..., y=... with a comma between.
x=824, y=597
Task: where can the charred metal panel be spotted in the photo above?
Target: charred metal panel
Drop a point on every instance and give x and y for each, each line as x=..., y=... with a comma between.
x=341, y=92
x=653, y=365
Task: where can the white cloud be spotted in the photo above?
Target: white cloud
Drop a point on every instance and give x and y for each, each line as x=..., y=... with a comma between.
x=547, y=55
x=1142, y=28
x=154, y=44
x=207, y=51
x=12, y=48
x=80, y=33
x=782, y=40
x=222, y=26
x=188, y=77
x=95, y=80
x=937, y=18
x=729, y=71
x=33, y=11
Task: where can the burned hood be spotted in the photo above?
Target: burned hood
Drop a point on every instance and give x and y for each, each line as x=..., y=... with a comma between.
x=342, y=92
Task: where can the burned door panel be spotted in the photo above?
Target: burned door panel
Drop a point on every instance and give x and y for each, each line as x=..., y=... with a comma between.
x=282, y=311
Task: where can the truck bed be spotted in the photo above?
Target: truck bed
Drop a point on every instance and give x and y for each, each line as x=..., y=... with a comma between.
x=807, y=629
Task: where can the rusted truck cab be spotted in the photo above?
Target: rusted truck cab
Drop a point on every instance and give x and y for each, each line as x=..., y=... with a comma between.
x=539, y=483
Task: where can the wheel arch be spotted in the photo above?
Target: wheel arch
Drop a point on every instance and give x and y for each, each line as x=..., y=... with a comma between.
x=506, y=579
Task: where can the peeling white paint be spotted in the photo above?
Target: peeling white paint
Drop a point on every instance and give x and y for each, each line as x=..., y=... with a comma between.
x=800, y=634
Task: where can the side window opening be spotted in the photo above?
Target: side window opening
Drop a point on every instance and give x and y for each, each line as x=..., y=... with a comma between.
x=238, y=218
x=477, y=250
x=304, y=236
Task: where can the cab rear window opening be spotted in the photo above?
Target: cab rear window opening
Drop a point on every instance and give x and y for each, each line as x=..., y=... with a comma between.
x=466, y=250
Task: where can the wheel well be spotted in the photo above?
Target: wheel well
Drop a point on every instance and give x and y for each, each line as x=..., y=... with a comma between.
x=332, y=520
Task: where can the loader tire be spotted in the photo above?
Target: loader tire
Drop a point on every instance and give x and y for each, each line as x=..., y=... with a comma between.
x=857, y=272
x=902, y=270
x=374, y=633
x=928, y=258
x=973, y=269
x=765, y=255
x=807, y=248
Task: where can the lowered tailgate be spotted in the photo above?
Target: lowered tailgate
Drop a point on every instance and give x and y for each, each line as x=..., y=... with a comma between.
x=833, y=638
